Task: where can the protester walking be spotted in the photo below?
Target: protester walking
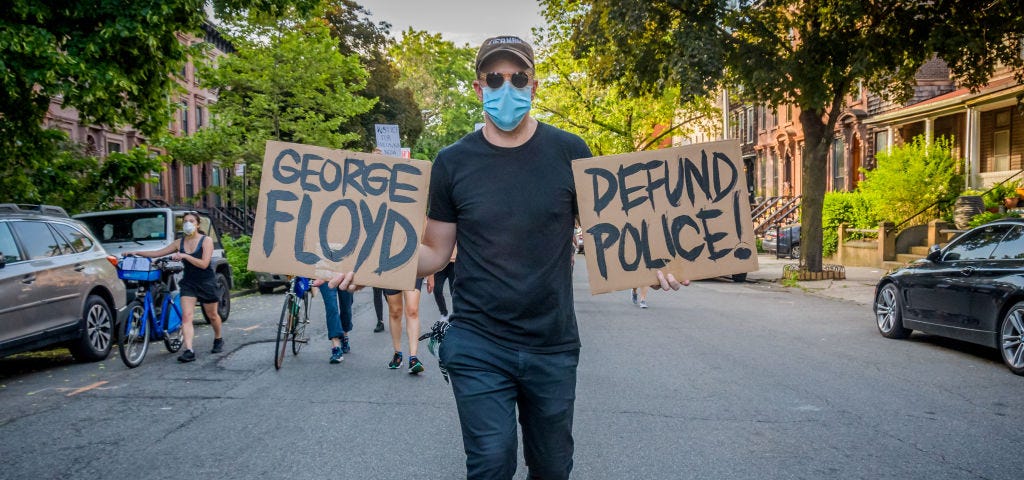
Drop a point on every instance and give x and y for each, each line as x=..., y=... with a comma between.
x=435, y=285
x=378, y=308
x=639, y=296
x=338, y=311
x=198, y=282
x=405, y=303
x=505, y=195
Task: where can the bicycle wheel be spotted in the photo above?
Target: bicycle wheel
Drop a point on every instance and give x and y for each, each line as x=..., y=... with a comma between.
x=284, y=328
x=299, y=337
x=173, y=338
x=133, y=343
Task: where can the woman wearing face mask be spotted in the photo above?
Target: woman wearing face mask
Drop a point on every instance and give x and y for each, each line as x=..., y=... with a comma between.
x=199, y=282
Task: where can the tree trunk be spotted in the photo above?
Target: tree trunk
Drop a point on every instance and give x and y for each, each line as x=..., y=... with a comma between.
x=815, y=172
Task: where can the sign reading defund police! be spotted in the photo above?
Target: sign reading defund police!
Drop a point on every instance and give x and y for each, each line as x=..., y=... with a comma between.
x=680, y=210
x=323, y=211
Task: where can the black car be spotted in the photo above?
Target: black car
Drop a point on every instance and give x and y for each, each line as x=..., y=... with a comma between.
x=784, y=241
x=971, y=290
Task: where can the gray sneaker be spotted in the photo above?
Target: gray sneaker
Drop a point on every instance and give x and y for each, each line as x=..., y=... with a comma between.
x=643, y=303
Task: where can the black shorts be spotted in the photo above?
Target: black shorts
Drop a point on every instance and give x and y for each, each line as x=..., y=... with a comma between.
x=419, y=284
x=205, y=292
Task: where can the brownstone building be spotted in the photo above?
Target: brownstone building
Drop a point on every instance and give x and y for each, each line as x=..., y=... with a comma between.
x=177, y=184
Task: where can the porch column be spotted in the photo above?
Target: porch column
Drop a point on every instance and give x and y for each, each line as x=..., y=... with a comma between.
x=929, y=130
x=972, y=145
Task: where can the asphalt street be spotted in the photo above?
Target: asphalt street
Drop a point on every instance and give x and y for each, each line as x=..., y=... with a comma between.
x=719, y=380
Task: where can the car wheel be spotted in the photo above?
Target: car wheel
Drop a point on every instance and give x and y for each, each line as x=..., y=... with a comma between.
x=224, y=304
x=97, y=331
x=1010, y=332
x=794, y=252
x=739, y=277
x=888, y=314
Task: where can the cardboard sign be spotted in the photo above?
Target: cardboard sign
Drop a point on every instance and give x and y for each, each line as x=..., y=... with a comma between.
x=388, y=141
x=323, y=211
x=680, y=210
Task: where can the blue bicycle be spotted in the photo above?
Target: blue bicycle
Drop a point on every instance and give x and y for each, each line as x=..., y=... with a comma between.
x=156, y=287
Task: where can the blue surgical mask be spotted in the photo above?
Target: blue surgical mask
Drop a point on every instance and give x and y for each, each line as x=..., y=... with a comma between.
x=507, y=105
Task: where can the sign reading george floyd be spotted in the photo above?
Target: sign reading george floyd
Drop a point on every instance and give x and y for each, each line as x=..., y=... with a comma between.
x=322, y=211
x=680, y=210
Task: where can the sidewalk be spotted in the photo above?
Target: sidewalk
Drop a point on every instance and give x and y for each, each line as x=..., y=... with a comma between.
x=858, y=287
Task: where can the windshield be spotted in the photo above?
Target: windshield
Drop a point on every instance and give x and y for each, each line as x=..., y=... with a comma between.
x=128, y=227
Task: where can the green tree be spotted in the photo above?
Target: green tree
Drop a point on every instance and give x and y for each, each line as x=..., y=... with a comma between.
x=81, y=182
x=810, y=53
x=440, y=74
x=912, y=178
x=357, y=34
x=111, y=60
x=609, y=120
x=294, y=86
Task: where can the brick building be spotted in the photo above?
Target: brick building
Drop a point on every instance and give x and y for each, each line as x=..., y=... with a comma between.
x=177, y=184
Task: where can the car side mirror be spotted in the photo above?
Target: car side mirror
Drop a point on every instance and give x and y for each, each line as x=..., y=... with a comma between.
x=934, y=254
x=3, y=260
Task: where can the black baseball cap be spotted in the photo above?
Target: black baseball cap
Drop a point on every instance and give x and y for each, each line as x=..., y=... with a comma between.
x=514, y=45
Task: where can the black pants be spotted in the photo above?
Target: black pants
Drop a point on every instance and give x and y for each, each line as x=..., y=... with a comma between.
x=491, y=383
x=378, y=303
x=446, y=273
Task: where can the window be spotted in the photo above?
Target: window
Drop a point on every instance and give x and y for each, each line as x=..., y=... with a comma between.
x=79, y=241
x=199, y=117
x=751, y=126
x=113, y=147
x=1012, y=246
x=1000, y=150
x=189, y=189
x=775, y=116
x=881, y=142
x=8, y=248
x=158, y=186
x=762, y=173
x=64, y=243
x=838, y=165
x=37, y=239
x=775, y=174
x=184, y=118
x=977, y=244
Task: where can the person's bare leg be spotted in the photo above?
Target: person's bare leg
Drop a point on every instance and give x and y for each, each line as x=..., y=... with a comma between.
x=188, y=313
x=412, y=319
x=395, y=319
x=211, y=314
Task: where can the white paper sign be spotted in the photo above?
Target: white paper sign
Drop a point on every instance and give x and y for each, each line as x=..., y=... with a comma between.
x=388, y=141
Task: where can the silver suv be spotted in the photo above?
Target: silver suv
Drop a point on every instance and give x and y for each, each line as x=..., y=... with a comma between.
x=57, y=285
x=135, y=229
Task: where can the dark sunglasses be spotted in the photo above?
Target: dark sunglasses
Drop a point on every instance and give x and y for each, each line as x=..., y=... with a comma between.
x=518, y=79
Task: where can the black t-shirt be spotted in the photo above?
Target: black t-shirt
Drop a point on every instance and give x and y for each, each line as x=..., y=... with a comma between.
x=514, y=210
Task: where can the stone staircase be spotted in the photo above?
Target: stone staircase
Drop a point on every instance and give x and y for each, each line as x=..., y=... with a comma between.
x=888, y=250
x=917, y=252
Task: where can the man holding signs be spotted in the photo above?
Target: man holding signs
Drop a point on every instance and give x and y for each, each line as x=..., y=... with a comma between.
x=506, y=195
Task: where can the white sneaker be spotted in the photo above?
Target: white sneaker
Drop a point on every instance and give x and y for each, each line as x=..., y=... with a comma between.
x=643, y=303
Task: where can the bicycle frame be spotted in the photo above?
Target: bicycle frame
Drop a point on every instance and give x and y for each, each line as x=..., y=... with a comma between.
x=149, y=313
